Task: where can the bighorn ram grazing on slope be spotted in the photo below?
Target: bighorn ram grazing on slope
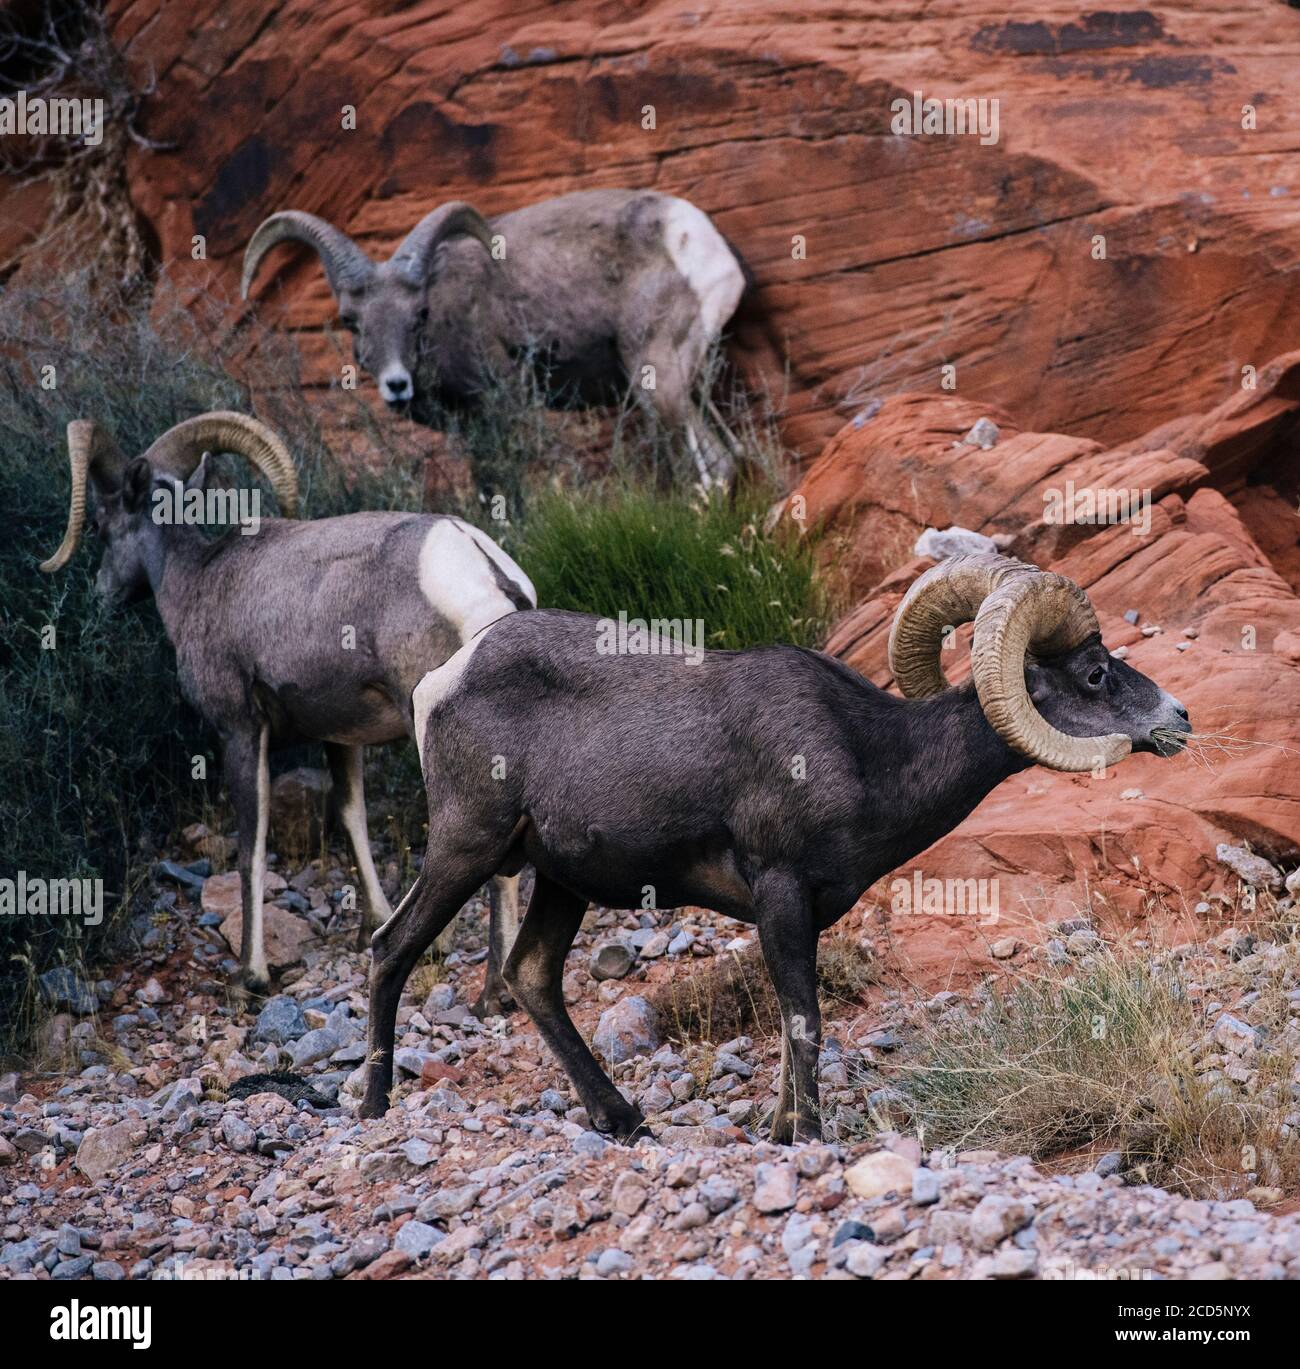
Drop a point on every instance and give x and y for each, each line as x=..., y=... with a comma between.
x=772, y=785
x=306, y=631
x=598, y=288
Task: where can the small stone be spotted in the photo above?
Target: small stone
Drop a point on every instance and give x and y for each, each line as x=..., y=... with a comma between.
x=939, y=545
x=1235, y=1035
x=614, y=1261
x=177, y=874
x=775, y=1187
x=441, y=998
x=629, y=1028
x=103, y=1149
x=852, y=1231
x=865, y=1260
x=1248, y=867
x=63, y=988
x=1015, y=1264
x=613, y=960
x=315, y=1045
x=1005, y=948
x=73, y=1269
x=875, y=1175
x=280, y=1021
x=996, y=1217
x=417, y=1239
x=925, y=1186
x=629, y=1193
x=983, y=435
x=238, y=1135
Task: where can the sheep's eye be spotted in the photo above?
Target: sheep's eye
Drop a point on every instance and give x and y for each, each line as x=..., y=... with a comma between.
x=423, y=315
x=1096, y=677
x=349, y=321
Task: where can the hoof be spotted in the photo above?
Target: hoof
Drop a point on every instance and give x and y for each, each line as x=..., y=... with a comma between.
x=625, y=1124
x=793, y=1131
x=496, y=1003
x=247, y=986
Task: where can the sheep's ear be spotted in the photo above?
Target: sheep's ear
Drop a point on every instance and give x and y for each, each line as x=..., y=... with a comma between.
x=199, y=475
x=136, y=482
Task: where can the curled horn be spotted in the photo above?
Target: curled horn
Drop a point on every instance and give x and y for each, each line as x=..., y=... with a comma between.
x=91, y=454
x=346, y=265
x=455, y=219
x=1016, y=609
x=179, y=450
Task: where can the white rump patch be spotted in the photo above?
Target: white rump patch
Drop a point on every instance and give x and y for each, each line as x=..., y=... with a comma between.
x=511, y=568
x=458, y=582
x=705, y=261
x=438, y=685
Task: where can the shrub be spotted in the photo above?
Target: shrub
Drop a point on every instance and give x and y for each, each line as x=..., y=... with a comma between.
x=1102, y=1059
x=629, y=548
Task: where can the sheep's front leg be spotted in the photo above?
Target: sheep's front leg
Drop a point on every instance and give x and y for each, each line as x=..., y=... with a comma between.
x=503, y=928
x=534, y=972
x=347, y=768
x=248, y=778
x=788, y=936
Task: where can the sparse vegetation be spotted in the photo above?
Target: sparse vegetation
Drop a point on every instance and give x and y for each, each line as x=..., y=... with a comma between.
x=1107, y=1058
x=732, y=993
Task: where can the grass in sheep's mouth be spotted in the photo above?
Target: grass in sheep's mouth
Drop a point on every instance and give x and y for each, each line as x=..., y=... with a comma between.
x=1207, y=748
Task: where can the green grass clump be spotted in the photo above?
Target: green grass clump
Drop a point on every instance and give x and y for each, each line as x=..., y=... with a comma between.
x=649, y=554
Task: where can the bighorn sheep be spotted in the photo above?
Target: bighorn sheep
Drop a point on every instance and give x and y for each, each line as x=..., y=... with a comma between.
x=598, y=288
x=306, y=631
x=772, y=785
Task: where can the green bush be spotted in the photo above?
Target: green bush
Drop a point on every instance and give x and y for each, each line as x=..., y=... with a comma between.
x=629, y=548
x=96, y=744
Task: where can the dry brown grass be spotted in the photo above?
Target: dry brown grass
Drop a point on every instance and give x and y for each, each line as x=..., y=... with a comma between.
x=732, y=995
x=1105, y=1058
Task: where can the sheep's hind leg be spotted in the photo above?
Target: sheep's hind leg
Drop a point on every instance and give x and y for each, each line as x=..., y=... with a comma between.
x=347, y=768
x=788, y=936
x=534, y=972
x=248, y=780
x=503, y=928
x=436, y=897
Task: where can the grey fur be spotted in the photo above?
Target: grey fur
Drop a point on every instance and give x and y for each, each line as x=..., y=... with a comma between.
x=302, y=631
x=772, y=785
x=587, y=286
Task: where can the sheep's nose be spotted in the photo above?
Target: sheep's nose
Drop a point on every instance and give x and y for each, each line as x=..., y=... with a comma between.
x=1182, y=712
x=395, y=386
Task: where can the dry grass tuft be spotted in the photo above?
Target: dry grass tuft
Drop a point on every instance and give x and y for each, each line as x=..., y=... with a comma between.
x=732, y=995
x=1106, y=1059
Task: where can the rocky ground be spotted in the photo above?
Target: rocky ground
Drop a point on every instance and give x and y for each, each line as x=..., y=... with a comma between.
x=146, y=1157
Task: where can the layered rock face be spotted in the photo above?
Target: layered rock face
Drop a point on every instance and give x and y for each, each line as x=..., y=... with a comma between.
x=878, y=257
x=1192, y=567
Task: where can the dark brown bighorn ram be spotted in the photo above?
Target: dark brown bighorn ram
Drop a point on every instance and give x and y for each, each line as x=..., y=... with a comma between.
x=772, y=785
x=598, y=289
x=311, y=631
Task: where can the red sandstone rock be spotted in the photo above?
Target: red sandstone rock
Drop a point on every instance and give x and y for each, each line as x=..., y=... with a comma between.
x=1056, y=843
x=920, y=251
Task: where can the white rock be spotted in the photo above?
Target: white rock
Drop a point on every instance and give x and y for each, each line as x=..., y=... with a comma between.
x=875, y=1175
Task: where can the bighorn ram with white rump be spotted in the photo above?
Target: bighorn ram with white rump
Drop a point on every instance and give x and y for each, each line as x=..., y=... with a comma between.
x=306, y=631
x=772, y=785
x=599, y=289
